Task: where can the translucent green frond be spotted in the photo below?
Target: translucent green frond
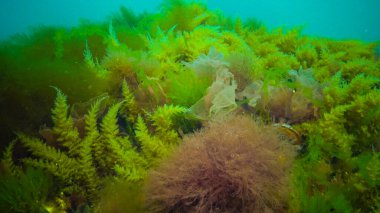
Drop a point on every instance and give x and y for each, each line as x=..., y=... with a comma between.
x=92, y=137
x=151, y=147
x=154, y=150
x=109, y=132
x=163, y=116
x=91, y=120
x=7, y=160
x=54, y=161
x=39, y=148
x=112, y=36
x=115, y=145
x=133, y=167
x=142, y=133
x=65, y=171
x=64, y=128
x=132, y=174
x=88, y=59
x=93, y=63
x=109, y=127
x=129, y=107
x=26, y=192
x=87, y=170
x=331, y=128
x=163, y=122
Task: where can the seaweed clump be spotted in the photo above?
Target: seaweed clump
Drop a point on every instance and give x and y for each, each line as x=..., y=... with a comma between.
x=82, y=155
x=235, y=165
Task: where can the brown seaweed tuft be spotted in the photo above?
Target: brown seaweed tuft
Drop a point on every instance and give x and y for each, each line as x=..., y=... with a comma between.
x=234, y=165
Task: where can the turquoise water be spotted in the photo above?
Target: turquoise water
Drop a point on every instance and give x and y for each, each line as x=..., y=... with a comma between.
x=340, y=19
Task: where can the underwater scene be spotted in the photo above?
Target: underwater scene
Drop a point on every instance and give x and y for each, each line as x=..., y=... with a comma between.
x=191, y=106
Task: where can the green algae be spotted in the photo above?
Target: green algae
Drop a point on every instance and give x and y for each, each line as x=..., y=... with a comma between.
x=327, y=89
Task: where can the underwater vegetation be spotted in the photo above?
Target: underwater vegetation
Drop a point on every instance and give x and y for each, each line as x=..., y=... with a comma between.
x=81, y=155
x=26, y=192
x=187, y=110
x=234, y=165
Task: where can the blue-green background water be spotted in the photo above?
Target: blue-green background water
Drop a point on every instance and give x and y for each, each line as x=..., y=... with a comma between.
x=340, y=19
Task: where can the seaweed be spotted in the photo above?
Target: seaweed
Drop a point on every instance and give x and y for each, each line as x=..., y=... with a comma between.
x=167, y=74
x=230, y=165
x=25, y=192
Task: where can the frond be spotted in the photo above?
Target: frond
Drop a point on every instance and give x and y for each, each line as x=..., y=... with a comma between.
x=7, y=160
x=93, y=136
x=162, y=117
x=64, y=128
x=133, y=166
x=91, y=120
x=109, y=127
x=151, y=147
x=133, y=174
x=142, y=133
x=90, y=142
x=88, y=59
x=117, y=147
x=50, y=159
x=163, y=122
x=113, y=144
x=87, y=168
x=38, y=148
x=65, y=171
x=114, y=41
x=129, y=105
